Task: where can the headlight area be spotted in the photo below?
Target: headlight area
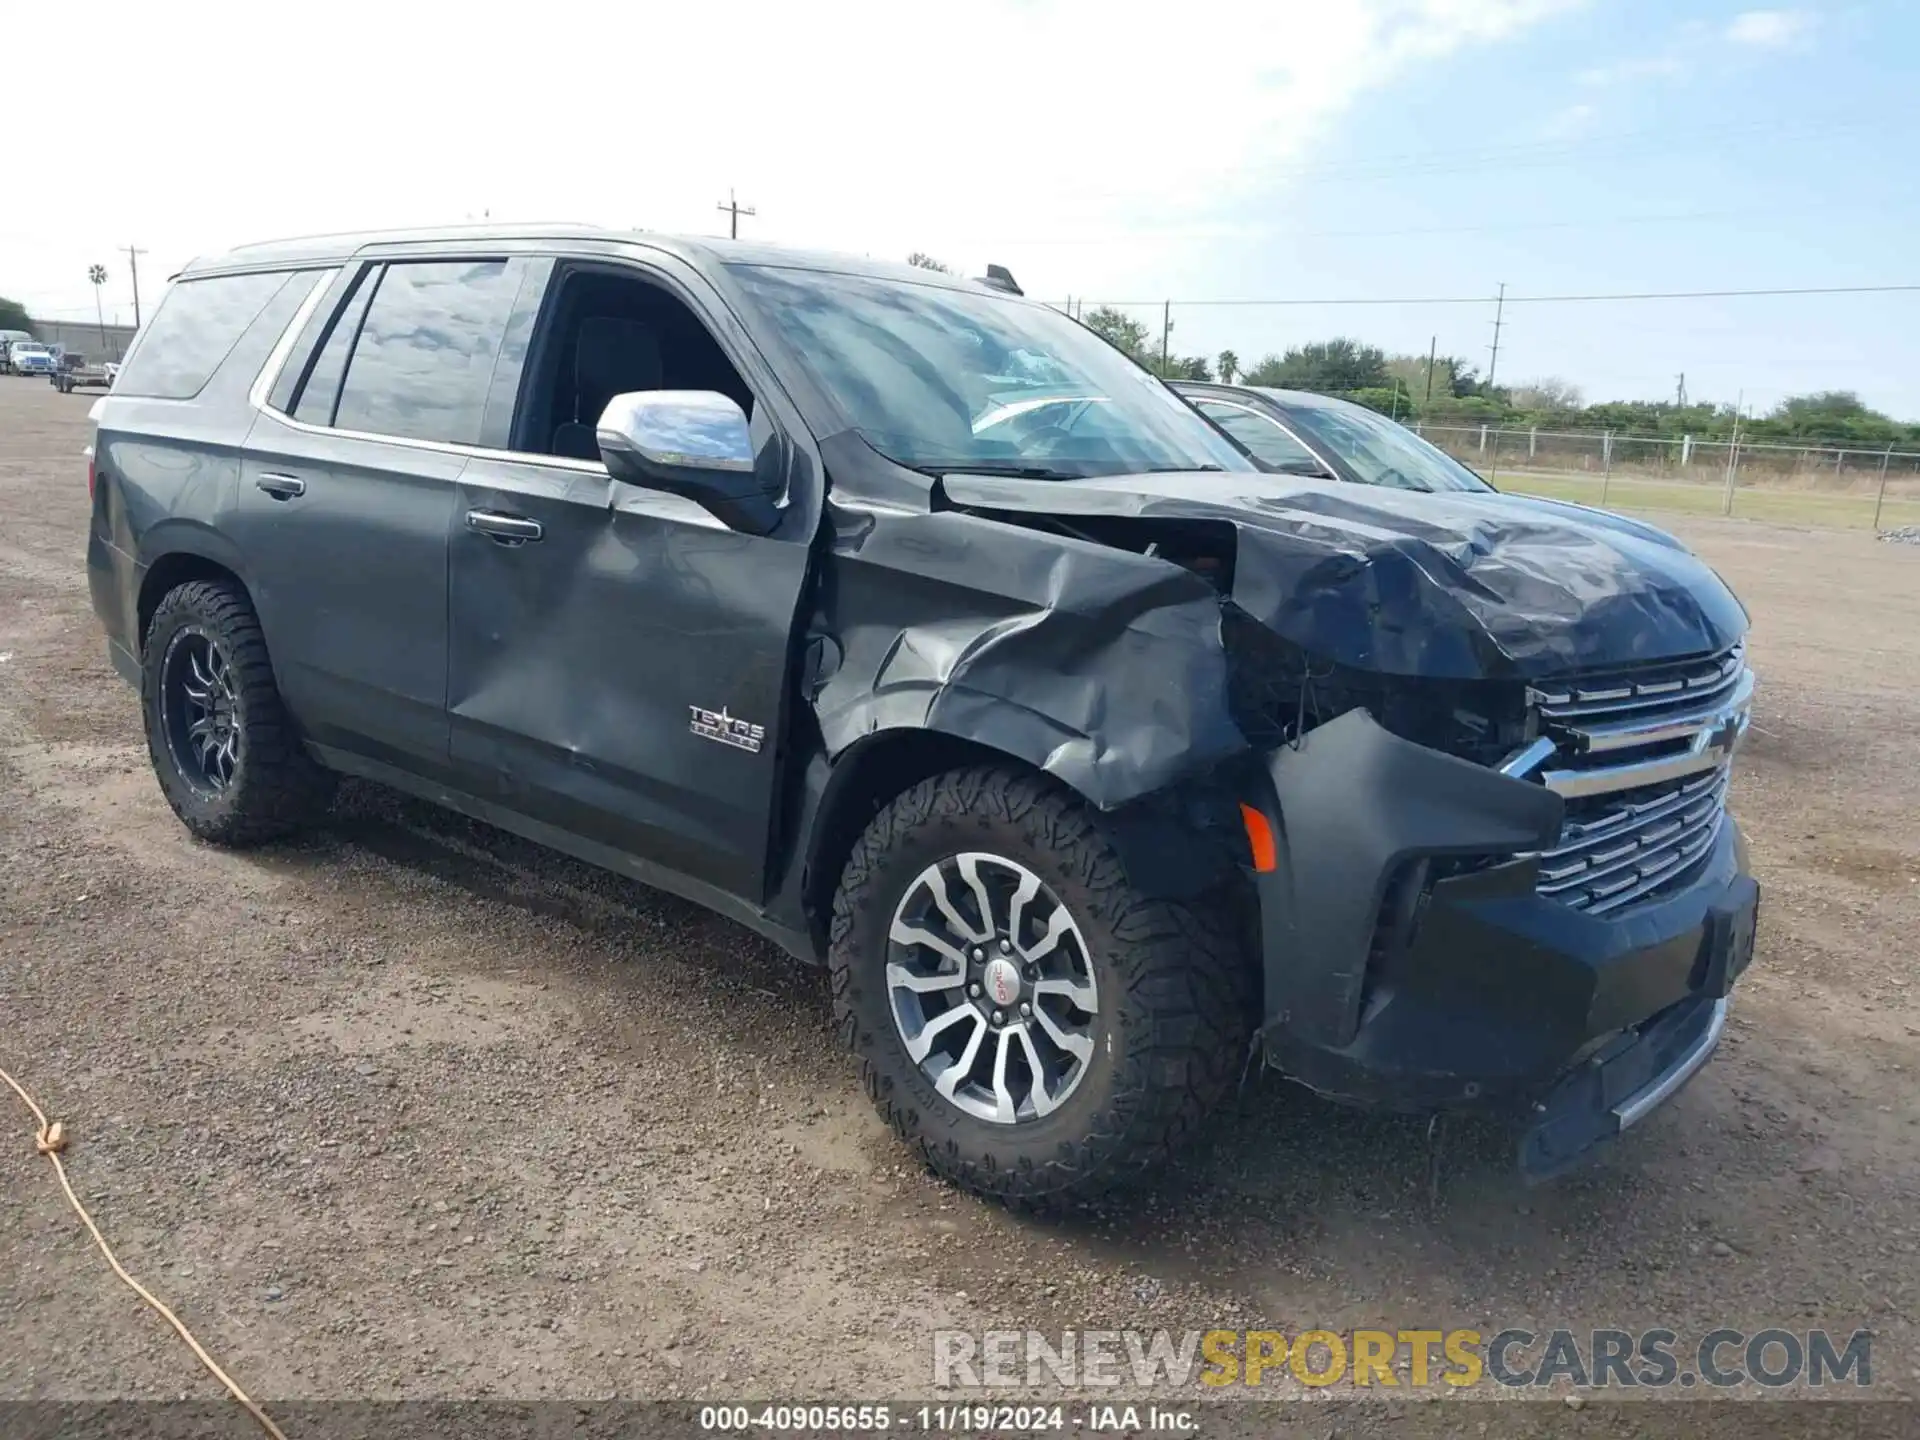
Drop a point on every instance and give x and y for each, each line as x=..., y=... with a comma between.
x=1280, y=693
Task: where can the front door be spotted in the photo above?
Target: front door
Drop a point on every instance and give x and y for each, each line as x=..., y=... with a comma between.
x=619, y=659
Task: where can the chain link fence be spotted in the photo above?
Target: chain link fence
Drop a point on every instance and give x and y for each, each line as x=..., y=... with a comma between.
x=1765, y=480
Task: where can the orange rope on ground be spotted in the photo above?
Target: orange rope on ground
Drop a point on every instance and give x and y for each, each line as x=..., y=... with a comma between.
x=49, y=1140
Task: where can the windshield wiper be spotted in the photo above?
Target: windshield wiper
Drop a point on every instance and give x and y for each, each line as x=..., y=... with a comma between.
x=1311, y=468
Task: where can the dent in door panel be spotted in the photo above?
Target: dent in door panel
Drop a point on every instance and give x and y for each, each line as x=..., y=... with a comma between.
x=585, y=658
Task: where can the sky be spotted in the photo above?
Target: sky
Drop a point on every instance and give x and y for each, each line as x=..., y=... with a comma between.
x=1275, y=150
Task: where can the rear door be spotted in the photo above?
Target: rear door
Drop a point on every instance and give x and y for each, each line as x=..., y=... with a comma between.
x=620, y=659
x=347, y=494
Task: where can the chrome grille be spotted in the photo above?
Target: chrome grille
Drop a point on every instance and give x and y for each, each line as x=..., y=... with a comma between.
x=1642, y=758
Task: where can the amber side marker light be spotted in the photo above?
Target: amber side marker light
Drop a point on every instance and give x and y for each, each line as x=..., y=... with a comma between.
x=1266, y=855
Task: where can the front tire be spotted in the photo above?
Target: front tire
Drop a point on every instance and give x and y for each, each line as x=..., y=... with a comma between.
x=1037, y=1029
x=223, y=747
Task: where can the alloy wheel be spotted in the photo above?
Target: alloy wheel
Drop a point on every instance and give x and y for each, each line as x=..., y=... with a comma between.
x=991, y=987
x=201, y=711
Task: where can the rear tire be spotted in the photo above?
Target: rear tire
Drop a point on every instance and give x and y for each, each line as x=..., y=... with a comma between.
x=1130, y=1074
x=223, y=747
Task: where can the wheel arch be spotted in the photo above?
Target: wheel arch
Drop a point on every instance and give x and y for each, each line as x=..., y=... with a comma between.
x=168, y=572
x=1160, y=858
x=863, y=779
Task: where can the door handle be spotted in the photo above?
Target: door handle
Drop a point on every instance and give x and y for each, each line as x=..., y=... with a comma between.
x=504, y=529
x=281, y=487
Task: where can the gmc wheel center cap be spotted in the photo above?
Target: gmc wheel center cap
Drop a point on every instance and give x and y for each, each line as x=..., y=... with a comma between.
x=1001, y=981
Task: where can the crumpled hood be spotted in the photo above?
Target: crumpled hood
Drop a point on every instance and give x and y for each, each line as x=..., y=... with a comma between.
x=1456, y=586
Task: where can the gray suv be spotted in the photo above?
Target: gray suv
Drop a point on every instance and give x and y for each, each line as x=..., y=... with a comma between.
x=907, y=623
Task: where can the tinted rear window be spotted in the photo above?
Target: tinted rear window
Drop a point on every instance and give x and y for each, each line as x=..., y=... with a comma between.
x=197, y=324
x=423, y=361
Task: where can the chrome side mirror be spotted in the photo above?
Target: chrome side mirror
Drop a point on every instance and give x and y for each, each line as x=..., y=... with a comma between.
x=694, y=443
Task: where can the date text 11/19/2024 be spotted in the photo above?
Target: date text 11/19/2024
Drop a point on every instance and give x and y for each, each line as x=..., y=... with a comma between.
x=949, y=1419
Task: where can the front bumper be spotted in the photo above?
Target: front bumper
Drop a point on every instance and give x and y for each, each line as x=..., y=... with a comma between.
x=1390, y=988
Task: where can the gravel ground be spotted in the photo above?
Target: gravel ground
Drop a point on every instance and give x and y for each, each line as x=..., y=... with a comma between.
x=413, y=1109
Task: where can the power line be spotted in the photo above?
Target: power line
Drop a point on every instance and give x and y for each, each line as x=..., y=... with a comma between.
x=1717, y=294
x=1544, y=299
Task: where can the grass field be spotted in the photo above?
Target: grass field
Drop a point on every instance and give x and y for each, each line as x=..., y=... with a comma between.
x=1781, y=505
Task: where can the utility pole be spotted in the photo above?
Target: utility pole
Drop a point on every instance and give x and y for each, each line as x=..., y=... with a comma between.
x=734, y=211
x=1733, y=453
x=1499, y=312
x=1166, y=333
x=1433, y=349
x=134, y=253
x=1680, y=391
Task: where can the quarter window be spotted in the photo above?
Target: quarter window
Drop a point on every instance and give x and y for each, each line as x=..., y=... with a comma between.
x=424, y=356
x=195, y=327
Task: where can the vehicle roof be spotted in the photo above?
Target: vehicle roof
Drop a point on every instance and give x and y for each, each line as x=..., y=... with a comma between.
x=696, y=250
x=1306, y=398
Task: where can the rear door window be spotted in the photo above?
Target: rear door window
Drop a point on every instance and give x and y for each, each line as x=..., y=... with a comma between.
x=424, y=357
x=198, y=323
x=321, y=389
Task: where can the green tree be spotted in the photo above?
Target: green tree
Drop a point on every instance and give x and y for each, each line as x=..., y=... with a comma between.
x=1122, y=331
x=1549, y=395
x=1412, y=373
x=1838, y=416
x=1118, y=329
x=1181, y=367
x=13, y=316
x=926, y=262
x=1327, y=365
x=1228, y=364
x=1174, y=367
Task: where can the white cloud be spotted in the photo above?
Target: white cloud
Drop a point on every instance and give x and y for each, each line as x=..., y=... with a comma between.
x=1570, y=121
x=1639, y=67
x=999, y=130
x=1769, y=29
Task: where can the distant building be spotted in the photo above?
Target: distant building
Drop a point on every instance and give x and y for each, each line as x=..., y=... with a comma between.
x=101, y=342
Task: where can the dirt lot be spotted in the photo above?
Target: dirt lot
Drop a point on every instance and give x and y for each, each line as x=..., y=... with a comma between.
x=413, y=1109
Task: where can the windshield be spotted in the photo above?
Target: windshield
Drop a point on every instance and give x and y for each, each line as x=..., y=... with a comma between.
x=23, y=348
x=940, y=379
x=1379, y=450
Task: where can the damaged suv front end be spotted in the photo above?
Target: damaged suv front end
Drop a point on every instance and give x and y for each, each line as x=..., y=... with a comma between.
x=1490, y=843
x=1557, y=933
x=1468, y=752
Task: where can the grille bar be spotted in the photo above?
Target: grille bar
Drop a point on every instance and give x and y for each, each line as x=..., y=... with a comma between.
x=1644, y=850
x=1643, y=759
x=1582, y=836
x=1669, y=725
x=1590, y=699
